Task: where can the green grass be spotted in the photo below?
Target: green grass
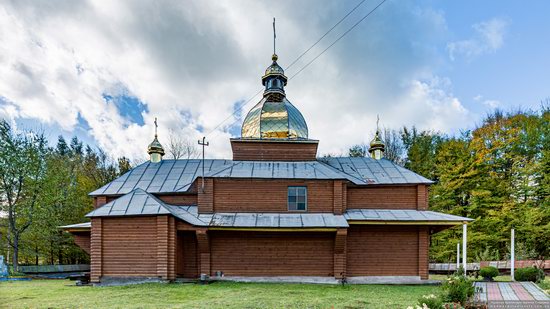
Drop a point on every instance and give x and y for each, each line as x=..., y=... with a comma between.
x=64, y=294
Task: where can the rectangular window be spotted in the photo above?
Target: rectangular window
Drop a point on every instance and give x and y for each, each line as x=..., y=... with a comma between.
x=297, y=198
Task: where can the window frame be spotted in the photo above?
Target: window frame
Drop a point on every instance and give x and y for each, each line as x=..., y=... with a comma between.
x=296, y=195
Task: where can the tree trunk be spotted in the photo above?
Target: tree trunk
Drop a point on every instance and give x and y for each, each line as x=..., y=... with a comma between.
x=15, y=259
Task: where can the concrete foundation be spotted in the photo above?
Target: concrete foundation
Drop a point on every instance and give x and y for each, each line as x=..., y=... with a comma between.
x=407, y=280
x=118, y=281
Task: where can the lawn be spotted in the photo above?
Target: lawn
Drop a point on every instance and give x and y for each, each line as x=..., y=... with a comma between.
x=64, y=294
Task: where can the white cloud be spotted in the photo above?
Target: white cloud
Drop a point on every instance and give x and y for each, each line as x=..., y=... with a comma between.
x=189, y=63
x=488, y=38
x=487, y=102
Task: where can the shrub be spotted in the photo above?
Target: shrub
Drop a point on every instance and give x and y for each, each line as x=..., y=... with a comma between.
x=488, y=272
x=431, y=301
x=458, y=289
x=533, y=274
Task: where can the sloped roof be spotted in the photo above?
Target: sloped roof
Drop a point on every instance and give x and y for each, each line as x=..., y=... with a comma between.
x=281, y=170
x=165, y=176
x=173, y=176
x=405, y=215
x=139, y=202
x=276, y=220
x=135, y=203
x=374, y=171
x=84, y=226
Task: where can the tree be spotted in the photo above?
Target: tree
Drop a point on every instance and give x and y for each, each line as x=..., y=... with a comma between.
x=22, y=166
x=393, y=147
x=421, y=148
x=123, y=165
x=359, y=150
x=180, y=147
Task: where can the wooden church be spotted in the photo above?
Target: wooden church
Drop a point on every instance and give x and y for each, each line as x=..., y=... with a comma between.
x=274, y=210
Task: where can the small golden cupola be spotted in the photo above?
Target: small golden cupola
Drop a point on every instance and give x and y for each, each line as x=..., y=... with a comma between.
x=155, y=149
x=377, y=146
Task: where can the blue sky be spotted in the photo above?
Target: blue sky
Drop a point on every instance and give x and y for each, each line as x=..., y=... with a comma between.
x=103, y=70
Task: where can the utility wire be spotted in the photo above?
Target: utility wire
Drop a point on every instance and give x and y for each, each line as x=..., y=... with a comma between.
x=240, y=106
x=338, y=39
x=310, y=62
x=324, y=35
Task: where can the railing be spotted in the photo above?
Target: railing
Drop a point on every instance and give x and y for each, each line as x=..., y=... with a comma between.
x=501, y=265
x=36, y=269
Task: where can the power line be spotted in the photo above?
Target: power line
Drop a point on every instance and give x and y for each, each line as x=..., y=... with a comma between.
x=240, y=106
x=324, y=35
x=338, y=39
x=310, y=62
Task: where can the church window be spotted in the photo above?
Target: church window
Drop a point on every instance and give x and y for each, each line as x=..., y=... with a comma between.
x=297, y=198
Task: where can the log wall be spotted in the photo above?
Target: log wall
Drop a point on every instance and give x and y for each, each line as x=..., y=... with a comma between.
x=254, y=195
x=82, y=239
x=247, y=150
x=386, y=251
x=133, y=247
x=388, y=197
x=272, y=254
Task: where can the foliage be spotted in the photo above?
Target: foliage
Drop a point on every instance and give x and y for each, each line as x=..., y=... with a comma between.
x=533, y=274
x=22, y=166
x=360, y=150
x=55, y=194
x=430, y=301
x=498, y=174
x=488, y=272
x=63, y=293
x=458, y=289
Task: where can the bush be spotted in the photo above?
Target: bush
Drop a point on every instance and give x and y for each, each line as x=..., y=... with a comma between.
x=533, y=274
x=431, y=301
x=458, y=289
x=488, y=272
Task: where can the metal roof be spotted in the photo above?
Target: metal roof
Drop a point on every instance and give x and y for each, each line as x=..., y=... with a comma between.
x=407, y=215
x=139, y=202
x=163, y=177
x=135, y=203
x=172, y=176
x=276, y=220
x=86, y=225
x=281, y=170
x=373, y=171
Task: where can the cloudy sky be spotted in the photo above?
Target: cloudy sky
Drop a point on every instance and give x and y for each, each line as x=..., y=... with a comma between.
x=103, y=70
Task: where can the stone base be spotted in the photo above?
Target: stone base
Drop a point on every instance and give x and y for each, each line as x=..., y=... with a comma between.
x=409, y=280
x=118, y=281
x=390, y=280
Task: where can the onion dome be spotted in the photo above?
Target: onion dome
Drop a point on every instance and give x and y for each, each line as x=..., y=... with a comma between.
x=274, y=117
x=155, y=149
x=377, y=146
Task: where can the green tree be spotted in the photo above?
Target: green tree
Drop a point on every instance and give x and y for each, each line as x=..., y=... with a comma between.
x=22, y=167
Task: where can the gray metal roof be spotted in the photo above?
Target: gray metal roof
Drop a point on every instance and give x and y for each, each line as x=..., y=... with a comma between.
x=281, y=170
x=85, y=225
x=400, y=215
x=373, y=171
x=170, y=176
x=139, y=202
x=135, y=203
x=166, y=176
x=276, y=220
